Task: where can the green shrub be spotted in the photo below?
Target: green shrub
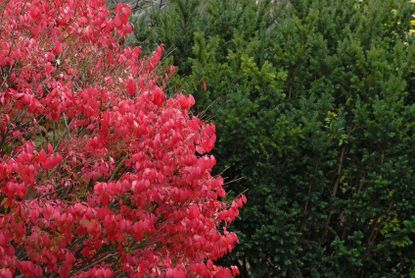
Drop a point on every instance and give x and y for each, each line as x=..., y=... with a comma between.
x=314, y=107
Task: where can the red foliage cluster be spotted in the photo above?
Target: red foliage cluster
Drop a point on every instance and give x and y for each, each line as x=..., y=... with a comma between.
x=100, y=173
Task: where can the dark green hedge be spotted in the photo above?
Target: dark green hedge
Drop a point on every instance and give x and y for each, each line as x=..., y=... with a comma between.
x=314, y=106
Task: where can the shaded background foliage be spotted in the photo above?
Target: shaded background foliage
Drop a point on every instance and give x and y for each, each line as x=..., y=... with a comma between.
x=315, y=115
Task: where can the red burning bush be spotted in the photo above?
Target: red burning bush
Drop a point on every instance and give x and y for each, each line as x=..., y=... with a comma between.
x=100, y=174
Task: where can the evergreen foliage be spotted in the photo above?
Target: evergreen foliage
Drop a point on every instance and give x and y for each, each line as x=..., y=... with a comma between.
x=315, y=115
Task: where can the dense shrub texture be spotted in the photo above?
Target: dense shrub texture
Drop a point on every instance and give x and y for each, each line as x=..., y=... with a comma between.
x=101, y=175
x=314, y=107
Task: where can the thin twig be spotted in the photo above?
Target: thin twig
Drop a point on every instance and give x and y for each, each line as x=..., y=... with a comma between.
x=94, y=263
x=119, y=165
x=234, y=180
